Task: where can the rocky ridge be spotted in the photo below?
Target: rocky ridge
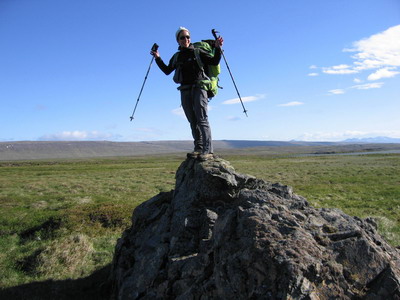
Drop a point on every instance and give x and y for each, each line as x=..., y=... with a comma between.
x=220, y=235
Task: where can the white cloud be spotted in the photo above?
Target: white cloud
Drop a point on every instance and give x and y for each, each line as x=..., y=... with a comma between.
x=179, y=112
x=146, y=129
x=233, y=118
x=340, y=69
x=382, y=73
x=293, y=103
x=313, y=74
x=368, y=86
x=313, y=67
x=379, y=52
x=329, y=136
x=348, y=134
x=337, y=91
x=244, y=99
x=357, y=80
x=77, y=136
x=339, y=72
x=146, y=134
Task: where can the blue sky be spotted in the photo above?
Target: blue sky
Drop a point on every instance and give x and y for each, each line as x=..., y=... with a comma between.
x=306, y=70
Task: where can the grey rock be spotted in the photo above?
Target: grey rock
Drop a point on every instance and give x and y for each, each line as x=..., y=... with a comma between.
x=224, y=235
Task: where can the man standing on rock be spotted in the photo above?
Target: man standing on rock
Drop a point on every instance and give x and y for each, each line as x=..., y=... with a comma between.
x=193, y=98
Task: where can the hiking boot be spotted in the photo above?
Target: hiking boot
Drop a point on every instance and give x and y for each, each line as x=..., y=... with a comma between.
x=205, y=156
x=194, y=154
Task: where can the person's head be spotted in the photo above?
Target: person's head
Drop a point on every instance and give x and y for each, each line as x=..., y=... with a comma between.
x=183, y=37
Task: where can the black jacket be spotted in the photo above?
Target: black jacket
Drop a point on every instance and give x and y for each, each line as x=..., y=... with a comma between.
x=191, y=72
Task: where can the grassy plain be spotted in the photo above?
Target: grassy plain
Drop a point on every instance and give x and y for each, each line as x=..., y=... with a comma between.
x=60, y=219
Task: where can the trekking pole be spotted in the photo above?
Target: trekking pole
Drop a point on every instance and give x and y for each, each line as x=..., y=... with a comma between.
x=214, y=33
x=154, y=48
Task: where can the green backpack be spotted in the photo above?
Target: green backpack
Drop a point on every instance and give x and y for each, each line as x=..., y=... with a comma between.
x=211, y=71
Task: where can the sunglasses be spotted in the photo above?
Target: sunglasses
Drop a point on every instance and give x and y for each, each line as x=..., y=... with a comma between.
x=184, y=37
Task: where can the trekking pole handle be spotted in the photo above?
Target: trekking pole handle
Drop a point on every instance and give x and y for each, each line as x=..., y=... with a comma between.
x=214, y=33
x=155, y=47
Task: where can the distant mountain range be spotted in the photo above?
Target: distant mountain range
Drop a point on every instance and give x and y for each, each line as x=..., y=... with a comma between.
x=378, y=139
x=27, y=150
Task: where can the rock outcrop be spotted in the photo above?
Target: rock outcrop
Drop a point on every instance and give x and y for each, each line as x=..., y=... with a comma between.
x=224, y=235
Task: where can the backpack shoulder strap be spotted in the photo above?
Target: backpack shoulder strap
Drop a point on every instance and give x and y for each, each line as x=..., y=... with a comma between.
x=198, y=58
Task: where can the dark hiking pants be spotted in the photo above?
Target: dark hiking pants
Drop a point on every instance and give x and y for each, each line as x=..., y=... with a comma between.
x=194, y=103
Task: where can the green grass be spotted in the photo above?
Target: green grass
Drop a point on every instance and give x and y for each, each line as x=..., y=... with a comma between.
x=61, y=219
x=53, y=209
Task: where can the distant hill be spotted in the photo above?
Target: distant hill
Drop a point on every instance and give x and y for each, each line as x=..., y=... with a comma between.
x=83, y=149
x=28, y=150
x=378, y=139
